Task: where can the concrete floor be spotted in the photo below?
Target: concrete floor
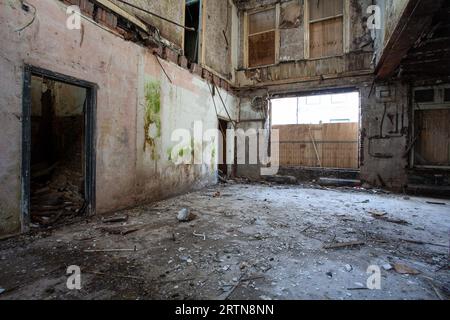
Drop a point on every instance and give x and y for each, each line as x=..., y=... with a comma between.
x=261, y=242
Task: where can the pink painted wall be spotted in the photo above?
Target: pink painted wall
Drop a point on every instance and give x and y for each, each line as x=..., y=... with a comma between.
x=119, y=68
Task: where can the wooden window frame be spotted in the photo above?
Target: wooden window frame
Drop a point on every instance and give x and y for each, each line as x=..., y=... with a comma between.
x=247, y=35
x=345, y=29
x=438, y=104
x=199, y=30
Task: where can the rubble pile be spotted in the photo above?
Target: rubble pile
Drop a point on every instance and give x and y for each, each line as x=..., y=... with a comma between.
x=56, y=195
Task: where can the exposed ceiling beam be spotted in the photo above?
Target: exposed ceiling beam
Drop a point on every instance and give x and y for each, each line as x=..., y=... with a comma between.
x=417, y=17
x=124, y=14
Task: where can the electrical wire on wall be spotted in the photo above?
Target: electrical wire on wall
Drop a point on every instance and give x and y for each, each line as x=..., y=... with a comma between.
x=226, y=27
x=224, y=106
x=26, y=7
x=164, y=70
x=212, y=97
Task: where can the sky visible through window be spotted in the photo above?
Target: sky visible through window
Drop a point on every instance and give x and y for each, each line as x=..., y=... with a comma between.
x=329, y=108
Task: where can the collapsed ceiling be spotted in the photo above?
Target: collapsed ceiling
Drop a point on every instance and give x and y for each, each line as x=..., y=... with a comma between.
x=429, y=56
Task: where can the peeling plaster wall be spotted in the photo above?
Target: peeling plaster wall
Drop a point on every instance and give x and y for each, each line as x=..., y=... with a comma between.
x=391, y=12
x=360, y=36
x=377, y=141
x=307, y=70
x=249, y=121
x=377, y=171
x=292, y=35
x=354, y=70
x=187, y=100
x=217, y=36
x=384, y=163
x=126, y=173
x=248, y=115
x=293, y=66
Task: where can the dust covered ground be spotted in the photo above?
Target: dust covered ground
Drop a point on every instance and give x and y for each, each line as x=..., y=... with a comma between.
x=247, y=241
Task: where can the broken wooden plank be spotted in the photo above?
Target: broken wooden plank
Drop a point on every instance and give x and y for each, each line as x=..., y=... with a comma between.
x=436, y=290
x=175, y=280
x=424, y=243
x=437, y=203
x=253, y=278
x=391, y=220
x=115, y=219
x=234, y=287
x=396, y=221
x=120, y=230
x=343, y=245
x=115, y=275
x=404, y=269
x=123, y=13
x=110, y=250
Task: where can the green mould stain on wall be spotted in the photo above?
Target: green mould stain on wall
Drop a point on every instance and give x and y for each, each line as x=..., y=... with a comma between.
x=213, y=158
x=184, y=154
x=152, y=116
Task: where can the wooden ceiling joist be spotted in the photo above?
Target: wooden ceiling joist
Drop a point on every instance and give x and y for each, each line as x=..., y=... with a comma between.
x=124, y=14
x=417, y=17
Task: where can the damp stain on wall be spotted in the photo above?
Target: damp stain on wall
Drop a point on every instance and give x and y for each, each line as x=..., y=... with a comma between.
x=213, y=158
x=187, y=154
x=152, y=116
x=182, y=154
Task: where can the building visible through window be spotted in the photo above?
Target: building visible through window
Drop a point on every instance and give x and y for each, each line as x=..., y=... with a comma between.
x=316, y=109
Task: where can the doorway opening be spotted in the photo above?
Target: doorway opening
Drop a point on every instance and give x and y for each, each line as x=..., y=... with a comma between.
x=223, y=165
x=318, y=131
x=58, y=149
x=191, y=38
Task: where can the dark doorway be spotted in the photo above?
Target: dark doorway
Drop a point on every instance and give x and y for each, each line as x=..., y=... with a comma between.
x=223, y=166
x=58, y=154
x=191, y=38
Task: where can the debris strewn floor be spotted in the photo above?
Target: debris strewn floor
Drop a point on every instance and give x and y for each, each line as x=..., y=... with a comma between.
x=243, y=241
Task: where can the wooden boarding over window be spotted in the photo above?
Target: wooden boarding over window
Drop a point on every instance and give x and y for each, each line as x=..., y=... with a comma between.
x=326, y=38
x=262, y=49
x=326, y=33
x=330, y=145
x=323, y=9
x=262, y=21
x=433, y=147
x=262, y=37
